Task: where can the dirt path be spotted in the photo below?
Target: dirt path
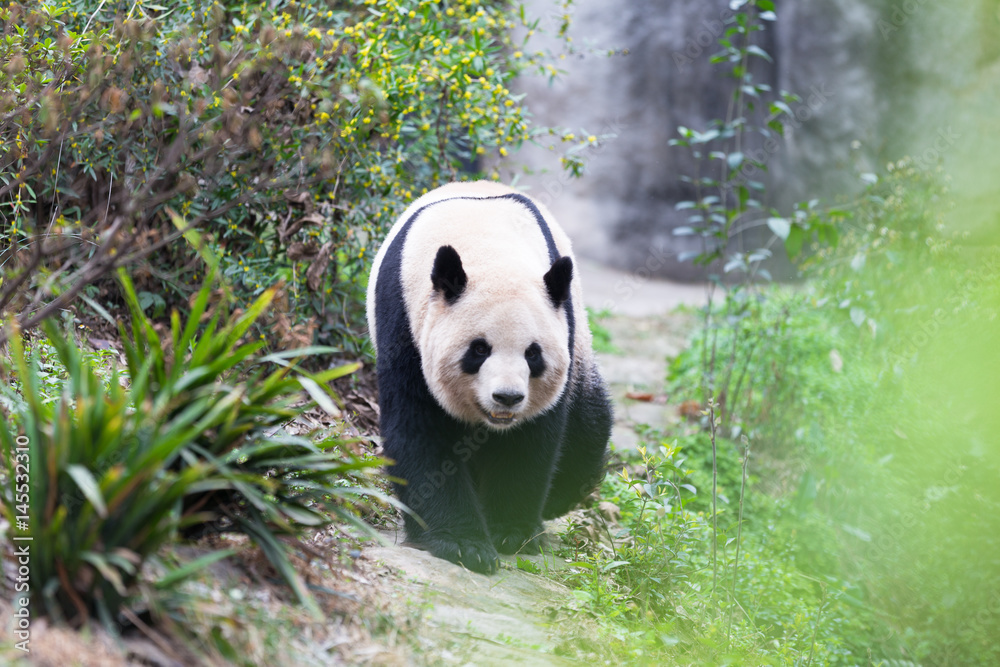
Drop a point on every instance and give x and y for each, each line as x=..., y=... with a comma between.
x=646, y=328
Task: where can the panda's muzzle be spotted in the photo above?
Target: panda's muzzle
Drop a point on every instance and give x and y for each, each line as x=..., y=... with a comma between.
x=499, y=418
x=506, y=399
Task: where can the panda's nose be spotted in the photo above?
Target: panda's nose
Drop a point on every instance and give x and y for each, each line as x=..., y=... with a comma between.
x=510, y=399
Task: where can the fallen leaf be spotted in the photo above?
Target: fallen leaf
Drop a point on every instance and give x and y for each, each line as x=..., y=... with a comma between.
x=690, y=409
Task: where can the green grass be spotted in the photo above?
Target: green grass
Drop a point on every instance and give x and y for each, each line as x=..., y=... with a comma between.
x=871, y=512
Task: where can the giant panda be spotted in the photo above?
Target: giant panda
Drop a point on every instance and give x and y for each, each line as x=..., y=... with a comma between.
x=492, y=409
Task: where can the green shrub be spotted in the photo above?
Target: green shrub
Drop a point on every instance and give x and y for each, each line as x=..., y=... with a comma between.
x=868, y=399
x=114, y=473
x=291, y=132
x=777, y=599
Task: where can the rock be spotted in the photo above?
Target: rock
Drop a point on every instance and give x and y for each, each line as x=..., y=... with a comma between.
x=510, y=616
x=836, y=54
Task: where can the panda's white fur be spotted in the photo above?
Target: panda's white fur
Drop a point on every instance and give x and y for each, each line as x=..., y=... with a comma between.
x=505, y=256
x=492, y=409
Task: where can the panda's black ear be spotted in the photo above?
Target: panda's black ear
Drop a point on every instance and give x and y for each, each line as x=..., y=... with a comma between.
x=448, y=276
x=557, y=280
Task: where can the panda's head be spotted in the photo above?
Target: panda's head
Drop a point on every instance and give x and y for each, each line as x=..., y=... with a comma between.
x=495, y=351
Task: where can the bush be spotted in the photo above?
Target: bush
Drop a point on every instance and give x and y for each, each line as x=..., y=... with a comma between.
x=104, y=475
x=290, y=132
x=867, y=398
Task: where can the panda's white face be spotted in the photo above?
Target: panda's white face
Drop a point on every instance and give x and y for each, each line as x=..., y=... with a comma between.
x=495, y=354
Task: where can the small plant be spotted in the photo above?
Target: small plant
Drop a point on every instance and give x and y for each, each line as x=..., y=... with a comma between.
x=727, y=203
x=602, y=337
x=105, y=475
x=88, y=479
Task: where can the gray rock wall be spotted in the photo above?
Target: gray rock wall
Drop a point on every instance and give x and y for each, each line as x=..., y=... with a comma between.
x=622, y=212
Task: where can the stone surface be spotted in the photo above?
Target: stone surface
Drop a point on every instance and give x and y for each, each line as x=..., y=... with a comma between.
x=475, y=619
x=659, y=77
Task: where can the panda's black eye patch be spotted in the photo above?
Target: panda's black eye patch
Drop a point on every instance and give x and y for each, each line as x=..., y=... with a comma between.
x=536, y=364
x=477, y=352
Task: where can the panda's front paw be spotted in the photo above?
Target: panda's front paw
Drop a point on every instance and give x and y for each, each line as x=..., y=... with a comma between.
x=475, y=555
x=517, y=539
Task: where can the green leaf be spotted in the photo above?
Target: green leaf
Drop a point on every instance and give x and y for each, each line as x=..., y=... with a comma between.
x=106, y=569
x=759, y=52
x=177, y=575
x=194, y=239
x=300, y=352
x=335, y=373
x=88, y=487
x=322, y=399
x=781, y=227
x=793, y=244
x=255, y=310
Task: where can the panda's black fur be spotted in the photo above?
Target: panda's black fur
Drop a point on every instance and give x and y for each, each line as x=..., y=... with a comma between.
x=477, y=490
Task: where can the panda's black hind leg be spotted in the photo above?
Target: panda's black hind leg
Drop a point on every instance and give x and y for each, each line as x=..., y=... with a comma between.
x=583, y=456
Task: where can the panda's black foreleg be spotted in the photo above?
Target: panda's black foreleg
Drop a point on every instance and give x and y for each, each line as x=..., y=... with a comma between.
x=583, y=456
x=439, y=490
x=431, y=455
x=513, y=482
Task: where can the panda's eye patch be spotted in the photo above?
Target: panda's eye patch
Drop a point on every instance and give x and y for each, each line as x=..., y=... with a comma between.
x=536, y=364
x=477, y=353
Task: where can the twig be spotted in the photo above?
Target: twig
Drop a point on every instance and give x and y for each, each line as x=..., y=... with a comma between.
x=153, y=636
x=739, y=533
x=715, y=499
